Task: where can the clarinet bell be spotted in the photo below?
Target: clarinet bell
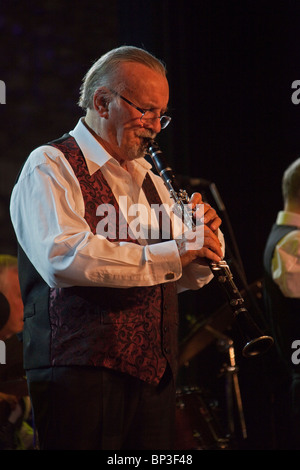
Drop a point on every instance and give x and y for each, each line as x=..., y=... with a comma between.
x=257, y=346
x=256, y=343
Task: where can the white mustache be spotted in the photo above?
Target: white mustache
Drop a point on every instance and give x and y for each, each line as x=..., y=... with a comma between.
x=147, y=135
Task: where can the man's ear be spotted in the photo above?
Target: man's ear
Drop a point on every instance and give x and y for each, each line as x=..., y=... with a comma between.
x=101, y=101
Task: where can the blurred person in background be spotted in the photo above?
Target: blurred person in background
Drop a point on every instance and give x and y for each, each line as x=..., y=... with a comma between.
x=15, y=410
x=282, y=292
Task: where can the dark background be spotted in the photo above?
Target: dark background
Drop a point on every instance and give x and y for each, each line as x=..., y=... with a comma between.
x=230, y=65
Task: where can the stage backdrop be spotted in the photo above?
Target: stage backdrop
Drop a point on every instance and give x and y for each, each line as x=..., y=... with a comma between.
x=234, y=73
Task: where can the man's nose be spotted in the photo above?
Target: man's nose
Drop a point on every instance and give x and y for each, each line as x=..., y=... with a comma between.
x=153, y=124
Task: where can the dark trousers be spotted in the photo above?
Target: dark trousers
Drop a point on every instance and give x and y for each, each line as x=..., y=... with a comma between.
x=89, y=408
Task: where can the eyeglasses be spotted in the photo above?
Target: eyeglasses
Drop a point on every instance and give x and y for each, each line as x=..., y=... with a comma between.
x=147, y=114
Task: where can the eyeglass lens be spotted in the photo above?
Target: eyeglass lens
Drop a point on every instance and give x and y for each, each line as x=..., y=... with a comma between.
x=148, y=115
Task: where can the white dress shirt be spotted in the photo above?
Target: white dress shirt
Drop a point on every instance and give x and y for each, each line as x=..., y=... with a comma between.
x=286, y=258
x=47, y=212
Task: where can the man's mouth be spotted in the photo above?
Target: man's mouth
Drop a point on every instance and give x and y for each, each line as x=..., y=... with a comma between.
x=145, y=140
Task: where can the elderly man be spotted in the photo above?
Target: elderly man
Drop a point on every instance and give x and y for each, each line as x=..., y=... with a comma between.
x=100, y=296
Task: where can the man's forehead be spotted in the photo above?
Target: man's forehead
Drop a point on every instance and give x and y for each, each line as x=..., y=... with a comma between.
x=132, y=72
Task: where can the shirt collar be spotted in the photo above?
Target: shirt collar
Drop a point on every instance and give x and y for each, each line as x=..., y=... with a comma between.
x=95, y=155
x=288, y=218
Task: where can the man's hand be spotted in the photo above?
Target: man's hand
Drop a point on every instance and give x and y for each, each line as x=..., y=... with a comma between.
x=202, y=243
x=211, y=218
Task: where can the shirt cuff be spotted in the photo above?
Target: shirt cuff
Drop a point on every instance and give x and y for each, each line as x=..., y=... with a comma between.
x=165, y=256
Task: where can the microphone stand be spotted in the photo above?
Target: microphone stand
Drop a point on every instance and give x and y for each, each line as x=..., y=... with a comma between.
x=205, y=187
x=232, y=383
x=235, y=258
x=221, y=206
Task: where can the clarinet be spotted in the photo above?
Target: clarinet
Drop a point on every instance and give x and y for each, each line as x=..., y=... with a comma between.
x=256, y=342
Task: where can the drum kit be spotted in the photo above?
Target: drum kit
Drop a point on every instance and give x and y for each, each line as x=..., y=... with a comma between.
x=200, y=424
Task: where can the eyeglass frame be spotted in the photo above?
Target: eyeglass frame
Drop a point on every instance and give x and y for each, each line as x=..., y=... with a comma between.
x=144, y=111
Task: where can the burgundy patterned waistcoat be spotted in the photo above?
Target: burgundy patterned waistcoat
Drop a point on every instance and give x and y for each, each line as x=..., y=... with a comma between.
x=132, y=330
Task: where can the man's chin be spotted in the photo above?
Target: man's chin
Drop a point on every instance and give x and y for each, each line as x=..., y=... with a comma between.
x=137, y=151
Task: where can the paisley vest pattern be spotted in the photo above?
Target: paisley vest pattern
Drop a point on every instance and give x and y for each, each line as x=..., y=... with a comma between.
x=132, y=330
